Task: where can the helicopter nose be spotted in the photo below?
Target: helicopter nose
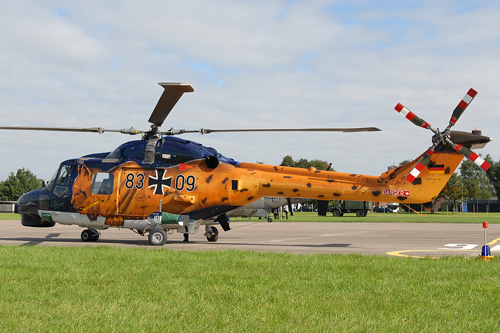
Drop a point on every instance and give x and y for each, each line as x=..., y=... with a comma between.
x=28, y=203
x=28, y=208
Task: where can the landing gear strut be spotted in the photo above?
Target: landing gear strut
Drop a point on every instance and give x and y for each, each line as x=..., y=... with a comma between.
x=90, y=235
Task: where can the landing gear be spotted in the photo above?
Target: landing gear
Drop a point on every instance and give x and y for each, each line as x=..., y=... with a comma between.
x=157, y=237
x=90, y=235
x=212, y=234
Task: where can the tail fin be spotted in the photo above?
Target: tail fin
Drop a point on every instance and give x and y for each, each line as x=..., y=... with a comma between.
x=431, y=180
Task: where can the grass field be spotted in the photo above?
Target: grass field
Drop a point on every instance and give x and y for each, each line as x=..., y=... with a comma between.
x=129, y=290
x=9, y=216
x=107, y=289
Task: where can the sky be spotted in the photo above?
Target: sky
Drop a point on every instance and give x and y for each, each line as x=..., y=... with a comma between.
x=268, y=64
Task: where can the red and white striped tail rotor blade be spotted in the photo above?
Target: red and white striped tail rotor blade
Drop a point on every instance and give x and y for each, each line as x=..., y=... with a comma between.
x=411, y=116
x=478, y=160
x=464, y=103
x=421, y=164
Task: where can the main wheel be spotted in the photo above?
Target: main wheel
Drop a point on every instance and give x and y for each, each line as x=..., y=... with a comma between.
x=214, y=236
x=336, y=213
x=157, y=237
x=87, y=235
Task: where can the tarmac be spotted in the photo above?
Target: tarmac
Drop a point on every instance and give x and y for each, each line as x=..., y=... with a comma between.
x=388, y=239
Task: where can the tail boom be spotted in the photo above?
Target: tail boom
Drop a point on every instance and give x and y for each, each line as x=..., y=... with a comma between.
x=391, y=186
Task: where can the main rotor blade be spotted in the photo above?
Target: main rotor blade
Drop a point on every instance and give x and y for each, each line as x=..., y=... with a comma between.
x=100, y=130
x=464, y=103
x=346, y=130
x=172, y=93
x=412, y=117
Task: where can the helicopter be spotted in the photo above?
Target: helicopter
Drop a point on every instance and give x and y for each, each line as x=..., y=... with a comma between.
x=161, y=183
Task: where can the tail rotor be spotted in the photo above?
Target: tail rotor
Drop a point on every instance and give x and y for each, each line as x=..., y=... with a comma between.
x=442, y=137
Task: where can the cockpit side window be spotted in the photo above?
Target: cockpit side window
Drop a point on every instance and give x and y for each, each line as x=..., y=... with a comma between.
x=64, y=173
x=103, y=183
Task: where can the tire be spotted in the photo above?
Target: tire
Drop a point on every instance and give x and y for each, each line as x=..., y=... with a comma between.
x=360, y=213
x=157, y=237
x=86, y=235
x=336, y=213
x=215, y=235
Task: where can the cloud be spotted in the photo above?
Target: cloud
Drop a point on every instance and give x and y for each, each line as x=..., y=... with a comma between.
x=252, y=64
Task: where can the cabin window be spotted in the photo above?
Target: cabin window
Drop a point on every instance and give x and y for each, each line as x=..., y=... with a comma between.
x=103, y=183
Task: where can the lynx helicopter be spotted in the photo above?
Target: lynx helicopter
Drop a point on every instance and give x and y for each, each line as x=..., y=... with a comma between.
x=163, y=183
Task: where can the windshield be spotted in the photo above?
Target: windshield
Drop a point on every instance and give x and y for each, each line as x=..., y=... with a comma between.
x=52, y=180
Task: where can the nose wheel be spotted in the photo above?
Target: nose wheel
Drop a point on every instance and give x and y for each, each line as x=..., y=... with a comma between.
x=90, y=235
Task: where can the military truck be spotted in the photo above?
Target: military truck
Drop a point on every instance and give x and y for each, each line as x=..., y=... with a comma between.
x=346, y=206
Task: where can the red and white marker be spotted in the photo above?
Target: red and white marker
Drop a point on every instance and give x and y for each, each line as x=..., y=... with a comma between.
x=421, y=164
x=479, y=161
x=464, y=103
x=411, y=116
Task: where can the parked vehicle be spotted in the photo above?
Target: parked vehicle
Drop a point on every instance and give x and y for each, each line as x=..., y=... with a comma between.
x=382, y=209
x=307, y=208
x=347, y=206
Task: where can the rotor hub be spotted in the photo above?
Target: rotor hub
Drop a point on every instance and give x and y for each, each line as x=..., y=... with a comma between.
x=441, y=137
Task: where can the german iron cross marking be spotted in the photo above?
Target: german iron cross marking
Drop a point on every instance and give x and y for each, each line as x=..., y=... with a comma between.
x=159, y=181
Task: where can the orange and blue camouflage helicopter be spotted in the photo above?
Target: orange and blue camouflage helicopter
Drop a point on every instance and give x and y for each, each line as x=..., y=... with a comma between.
x=162, y=183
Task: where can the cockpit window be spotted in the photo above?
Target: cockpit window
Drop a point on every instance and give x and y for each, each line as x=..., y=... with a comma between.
x=52, y=181
x=64, y=173
x=103, y=183
x=61, y=179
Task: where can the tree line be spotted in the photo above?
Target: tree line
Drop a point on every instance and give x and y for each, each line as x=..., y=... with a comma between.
x=471, y=182
x=17, y=184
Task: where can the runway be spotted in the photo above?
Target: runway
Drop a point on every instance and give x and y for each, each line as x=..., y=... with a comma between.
x=392, y=239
